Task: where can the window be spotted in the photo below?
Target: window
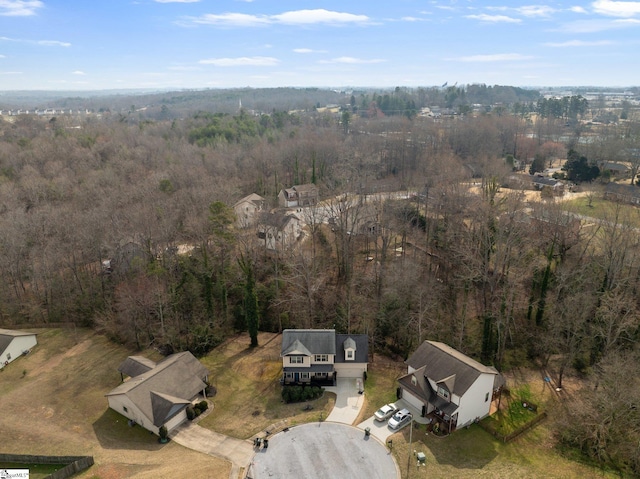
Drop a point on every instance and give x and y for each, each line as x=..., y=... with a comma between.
x=486, y=397
x=321, y=358
x=296, y=359
x=442, y=392
x=350, y=354
x=124, y=408
x=304, y=376
x=8, y=356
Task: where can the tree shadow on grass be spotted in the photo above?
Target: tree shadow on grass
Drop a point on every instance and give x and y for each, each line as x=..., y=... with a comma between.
x=471, y=448
x=114, y=432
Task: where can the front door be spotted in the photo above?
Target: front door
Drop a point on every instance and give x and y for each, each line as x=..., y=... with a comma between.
x=296, y=377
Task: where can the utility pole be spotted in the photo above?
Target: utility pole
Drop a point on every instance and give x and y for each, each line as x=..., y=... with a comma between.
x=410, y=438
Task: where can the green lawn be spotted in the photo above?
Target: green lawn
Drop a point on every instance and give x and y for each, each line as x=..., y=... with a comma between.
x=472, y=452
x=602, y=209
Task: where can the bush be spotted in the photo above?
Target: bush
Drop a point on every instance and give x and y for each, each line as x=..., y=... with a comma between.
x=292, y=394
x=191, y=413
x=163, y=433
x=203, y=406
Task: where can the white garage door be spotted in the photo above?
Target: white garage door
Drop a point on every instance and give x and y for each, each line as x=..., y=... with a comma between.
x=411, y=399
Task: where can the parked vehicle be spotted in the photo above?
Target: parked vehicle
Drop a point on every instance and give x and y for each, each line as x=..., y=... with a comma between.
x=400, y=419
x=385, y=412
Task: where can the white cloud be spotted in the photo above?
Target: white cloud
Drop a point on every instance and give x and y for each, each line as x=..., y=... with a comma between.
x=53, y=43
x=353, y=61
x=10, y=73
x=294, y=17
x=19, y=8
x=241, y=62
x=579, y=43
x=2, y=56
x=232, y=19
x=536, y=10
x=308, y=50
x=483, y=17
x=176, y=1
x=578, y=9
x=78, y=72
x=496, y=57
x=309, y=17
x=616, y=9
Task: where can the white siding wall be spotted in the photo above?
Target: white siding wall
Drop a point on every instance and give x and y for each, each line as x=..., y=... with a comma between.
x=16, y=348
x=472, y=404
x=286, y=362
x=119, y=402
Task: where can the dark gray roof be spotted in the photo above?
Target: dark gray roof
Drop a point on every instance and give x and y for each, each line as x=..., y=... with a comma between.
x=443, y=364
x=316, y=341
x=7, y=335
x=361, y=343
x=275, y=220
x=136, y=365
x=541, y=180
x=176, y=379
x=165, y=407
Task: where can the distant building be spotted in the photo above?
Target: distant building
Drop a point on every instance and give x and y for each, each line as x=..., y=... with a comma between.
x=247, y=209
x=298, y=195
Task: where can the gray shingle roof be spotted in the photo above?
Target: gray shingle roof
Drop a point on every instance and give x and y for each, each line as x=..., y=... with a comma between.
x=136, y=365
x=358, y=341
x=172, y=383
x=444, y=364
x=316, y=341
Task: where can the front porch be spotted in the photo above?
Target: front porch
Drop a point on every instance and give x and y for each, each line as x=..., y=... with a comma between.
x=316, y=375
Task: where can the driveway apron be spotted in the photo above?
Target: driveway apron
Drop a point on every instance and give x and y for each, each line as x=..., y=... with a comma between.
x=349, y=401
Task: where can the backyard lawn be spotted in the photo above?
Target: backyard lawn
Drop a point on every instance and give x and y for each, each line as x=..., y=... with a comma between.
x=248, y=398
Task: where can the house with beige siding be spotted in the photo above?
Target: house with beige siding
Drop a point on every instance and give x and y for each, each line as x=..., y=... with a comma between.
x=320, y=356
x=157, y=394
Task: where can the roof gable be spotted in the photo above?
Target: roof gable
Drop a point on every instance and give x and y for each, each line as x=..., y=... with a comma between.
x=179, y=376
x=443, y=364
x=136, y=365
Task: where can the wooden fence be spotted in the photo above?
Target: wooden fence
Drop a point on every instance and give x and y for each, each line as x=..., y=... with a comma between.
x=517, y=432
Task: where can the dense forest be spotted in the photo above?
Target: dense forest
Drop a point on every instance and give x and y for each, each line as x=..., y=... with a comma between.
x=125, y=223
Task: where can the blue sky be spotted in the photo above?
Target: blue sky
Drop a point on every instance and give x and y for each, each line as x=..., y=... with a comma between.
x=106, y=44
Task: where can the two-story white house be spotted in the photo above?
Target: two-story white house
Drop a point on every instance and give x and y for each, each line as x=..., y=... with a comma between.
x=248, y=208
x=321, y=356
x=442, y=381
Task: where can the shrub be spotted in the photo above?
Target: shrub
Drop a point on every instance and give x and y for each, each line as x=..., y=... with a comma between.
x=163, y=433
x=191, y=413
x=203, y=406
x=299, y=393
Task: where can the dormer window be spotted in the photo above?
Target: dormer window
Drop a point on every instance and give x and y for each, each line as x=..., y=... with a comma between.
x=296, y=359
x=443, y=393
x=349, y=346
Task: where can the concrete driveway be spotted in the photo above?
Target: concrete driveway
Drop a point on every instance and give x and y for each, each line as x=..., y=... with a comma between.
x=323, y=450
x=380, y=430
x=349, y=401
x=237, y=451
